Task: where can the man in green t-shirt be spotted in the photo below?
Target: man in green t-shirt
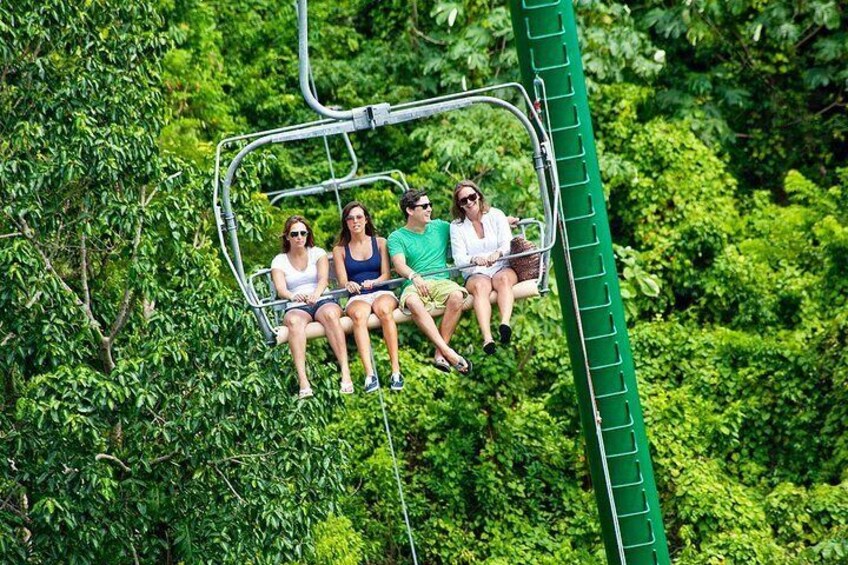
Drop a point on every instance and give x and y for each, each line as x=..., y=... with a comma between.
x=417, y=249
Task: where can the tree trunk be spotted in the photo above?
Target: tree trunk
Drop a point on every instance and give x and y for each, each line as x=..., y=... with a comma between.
x=106, y=355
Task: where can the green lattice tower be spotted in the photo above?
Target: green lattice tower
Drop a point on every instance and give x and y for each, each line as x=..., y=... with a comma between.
x=546, y=39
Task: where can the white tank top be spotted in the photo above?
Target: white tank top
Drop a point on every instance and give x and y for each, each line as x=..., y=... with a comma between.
x=298, y=281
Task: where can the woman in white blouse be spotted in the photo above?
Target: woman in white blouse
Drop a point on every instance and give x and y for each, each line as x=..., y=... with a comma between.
x=300, y=274
x=480, y=236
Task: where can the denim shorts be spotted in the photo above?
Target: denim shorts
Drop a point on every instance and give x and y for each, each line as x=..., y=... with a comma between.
x=312, y=309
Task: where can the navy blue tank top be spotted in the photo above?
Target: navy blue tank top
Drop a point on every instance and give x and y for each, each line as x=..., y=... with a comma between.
x=361, y=271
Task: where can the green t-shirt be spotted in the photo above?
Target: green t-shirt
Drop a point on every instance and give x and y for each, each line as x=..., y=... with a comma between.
x=425, y=251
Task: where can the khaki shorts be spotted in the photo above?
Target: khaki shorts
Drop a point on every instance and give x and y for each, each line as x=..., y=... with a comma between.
x=440, y=290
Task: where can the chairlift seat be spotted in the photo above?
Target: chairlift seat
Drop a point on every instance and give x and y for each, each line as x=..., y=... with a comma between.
x=524, y=289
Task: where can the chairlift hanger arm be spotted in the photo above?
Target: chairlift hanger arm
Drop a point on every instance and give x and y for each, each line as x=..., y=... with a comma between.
x=399, y=116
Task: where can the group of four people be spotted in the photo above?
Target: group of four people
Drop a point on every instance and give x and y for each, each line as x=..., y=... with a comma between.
x=479, y=236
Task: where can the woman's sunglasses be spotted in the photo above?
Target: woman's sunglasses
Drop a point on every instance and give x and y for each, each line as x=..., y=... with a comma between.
x=470, y=199
x=294, y=234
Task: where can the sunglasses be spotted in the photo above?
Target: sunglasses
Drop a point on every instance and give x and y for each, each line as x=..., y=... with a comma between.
x=294, y=234
x=425, y=206
x=470, y=199
x=355, y=218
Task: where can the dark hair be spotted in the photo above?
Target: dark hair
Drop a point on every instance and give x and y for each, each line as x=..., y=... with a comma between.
x=409, y=198
x=310, y=240
x=456, y=210
x=344, y=235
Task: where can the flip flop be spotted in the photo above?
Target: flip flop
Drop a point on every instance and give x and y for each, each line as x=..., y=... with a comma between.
x=304, y=393
x=346, y=388
x=442, y=364
x=463, y=363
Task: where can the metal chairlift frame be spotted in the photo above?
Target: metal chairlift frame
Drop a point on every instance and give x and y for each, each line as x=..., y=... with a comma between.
x=349, y=180
x=368, y=118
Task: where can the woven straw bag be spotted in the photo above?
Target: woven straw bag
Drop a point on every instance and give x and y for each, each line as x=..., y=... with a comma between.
x=526, y=267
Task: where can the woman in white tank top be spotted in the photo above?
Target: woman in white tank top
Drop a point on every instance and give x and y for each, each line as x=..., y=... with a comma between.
x=300, y=274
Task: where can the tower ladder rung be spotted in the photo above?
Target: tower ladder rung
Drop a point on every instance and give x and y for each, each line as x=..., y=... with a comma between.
x=613, y=333
x=571, y=157
x=591, y=214
x=634, y=451
x=539, y=6
x=565, y=128
x=621, y=427
x=606, y=304
x=634, y=514
x=575, y=184
x=602, y=274
x=565, y=96
x=585, y=245
x=636, y=483
x=548, y=68
x=531, y=37
x=607, y=366
x=625, y=390
x=652, y=541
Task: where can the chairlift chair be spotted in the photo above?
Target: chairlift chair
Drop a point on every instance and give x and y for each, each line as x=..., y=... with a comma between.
x=260, y=294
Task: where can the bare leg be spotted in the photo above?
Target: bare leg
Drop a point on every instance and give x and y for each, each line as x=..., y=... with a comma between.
x=358, y=313
x=480, y=286
x=453, y=311
x=295, y=321
x=329, y=316
x=426, y=324
x=503, y=282
x=384, y=309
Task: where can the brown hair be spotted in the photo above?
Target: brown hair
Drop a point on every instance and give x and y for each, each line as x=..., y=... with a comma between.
x=344, y=235
x=456, y=210
x=409, y=198
x=292, y=220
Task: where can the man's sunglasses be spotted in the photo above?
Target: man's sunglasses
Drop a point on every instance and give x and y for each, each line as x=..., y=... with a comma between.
x=470, y=199
x=425, y=206
x=294, y=234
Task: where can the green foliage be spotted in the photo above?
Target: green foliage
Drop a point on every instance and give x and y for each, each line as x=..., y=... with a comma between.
x=337, y=543
x=767, y=80
x=142, y=420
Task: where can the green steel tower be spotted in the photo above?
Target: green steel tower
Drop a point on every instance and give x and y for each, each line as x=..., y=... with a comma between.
x=593, y=316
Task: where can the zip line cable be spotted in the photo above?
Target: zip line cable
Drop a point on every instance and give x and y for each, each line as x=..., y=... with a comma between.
x=397, y=472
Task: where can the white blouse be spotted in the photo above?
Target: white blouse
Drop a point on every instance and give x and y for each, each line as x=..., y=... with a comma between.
x=465, y=244
x=297, y=281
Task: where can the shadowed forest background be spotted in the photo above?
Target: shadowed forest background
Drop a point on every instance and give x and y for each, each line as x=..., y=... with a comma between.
x=142, y=420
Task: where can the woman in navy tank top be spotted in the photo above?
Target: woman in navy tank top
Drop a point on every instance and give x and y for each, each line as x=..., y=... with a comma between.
x=361, y=259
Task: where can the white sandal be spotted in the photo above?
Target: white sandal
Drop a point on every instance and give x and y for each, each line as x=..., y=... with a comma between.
x=304, y=393
x=346, y=388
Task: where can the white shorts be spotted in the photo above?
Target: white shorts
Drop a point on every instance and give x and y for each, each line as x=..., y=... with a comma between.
x=485, y=271
x=370, y=297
